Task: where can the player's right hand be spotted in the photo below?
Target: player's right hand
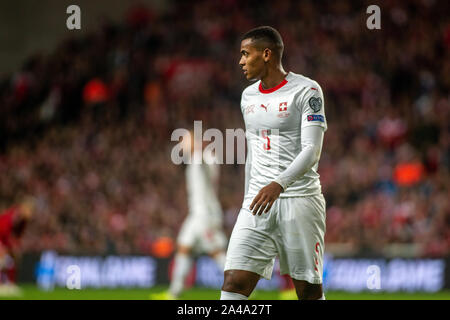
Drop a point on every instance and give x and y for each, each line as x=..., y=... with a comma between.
x=265, y=198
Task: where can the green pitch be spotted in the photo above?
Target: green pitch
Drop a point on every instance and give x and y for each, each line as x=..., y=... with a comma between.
x=31, y=292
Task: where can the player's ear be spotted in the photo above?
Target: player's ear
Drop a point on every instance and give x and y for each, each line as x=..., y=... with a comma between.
x=266, y=54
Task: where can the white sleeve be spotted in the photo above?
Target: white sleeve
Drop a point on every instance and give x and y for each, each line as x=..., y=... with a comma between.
x=312, y=106
x=311, y=140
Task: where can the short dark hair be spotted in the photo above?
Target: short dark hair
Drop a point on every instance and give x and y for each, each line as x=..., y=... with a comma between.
x=266, y=36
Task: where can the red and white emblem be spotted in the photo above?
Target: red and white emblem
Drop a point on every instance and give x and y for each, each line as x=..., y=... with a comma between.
x=282, y=108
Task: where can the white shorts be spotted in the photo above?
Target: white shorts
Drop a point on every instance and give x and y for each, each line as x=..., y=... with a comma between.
x=293, y=230
x=201, y=237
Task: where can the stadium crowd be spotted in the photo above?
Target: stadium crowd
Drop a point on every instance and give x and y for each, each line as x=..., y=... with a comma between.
x=86, y=131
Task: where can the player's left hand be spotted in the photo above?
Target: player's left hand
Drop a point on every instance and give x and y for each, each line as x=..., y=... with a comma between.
x=265, y=198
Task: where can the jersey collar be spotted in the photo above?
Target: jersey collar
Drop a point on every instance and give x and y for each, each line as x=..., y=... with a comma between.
x=278, y=86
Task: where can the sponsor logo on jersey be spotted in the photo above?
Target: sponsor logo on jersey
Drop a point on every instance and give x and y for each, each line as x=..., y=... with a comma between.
x=263, y=106
x=315, y=117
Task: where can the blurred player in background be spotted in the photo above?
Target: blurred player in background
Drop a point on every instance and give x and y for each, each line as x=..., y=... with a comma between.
x=201, y=231
x=283, y=212
x=13, y=222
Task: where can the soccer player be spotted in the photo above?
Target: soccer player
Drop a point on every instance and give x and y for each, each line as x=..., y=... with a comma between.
x=201, y=231
x=283, y=212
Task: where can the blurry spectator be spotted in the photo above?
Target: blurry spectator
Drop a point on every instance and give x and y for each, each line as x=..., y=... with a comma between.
x=13, y=222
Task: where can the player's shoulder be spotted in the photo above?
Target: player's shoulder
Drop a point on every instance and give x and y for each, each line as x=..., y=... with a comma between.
x=302, y=81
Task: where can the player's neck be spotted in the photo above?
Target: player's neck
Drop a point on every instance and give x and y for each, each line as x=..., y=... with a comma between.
x=273, y=77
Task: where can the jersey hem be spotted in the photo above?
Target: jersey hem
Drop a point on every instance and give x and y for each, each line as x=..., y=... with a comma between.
x=295, y=195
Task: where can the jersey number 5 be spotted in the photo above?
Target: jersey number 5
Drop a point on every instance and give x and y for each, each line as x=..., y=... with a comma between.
x=265, y=134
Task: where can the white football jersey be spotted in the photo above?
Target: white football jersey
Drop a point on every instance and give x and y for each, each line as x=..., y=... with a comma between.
x=203, y=202
x=273, y=120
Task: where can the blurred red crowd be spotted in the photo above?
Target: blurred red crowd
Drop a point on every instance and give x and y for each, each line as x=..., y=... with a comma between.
x=87, y=128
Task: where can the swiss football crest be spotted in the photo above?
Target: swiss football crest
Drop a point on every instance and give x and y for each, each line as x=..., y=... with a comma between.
x=315, y=104
x=282, y=108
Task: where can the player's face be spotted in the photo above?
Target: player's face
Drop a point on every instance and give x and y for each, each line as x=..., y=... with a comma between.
x=252, y=60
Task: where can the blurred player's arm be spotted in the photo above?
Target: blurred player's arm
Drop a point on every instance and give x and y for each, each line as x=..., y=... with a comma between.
x=213, y=170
